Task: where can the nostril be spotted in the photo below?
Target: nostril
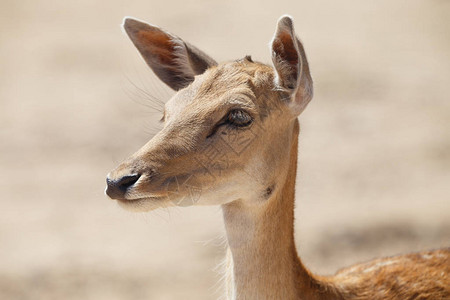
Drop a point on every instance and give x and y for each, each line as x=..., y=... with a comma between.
x=127, y=181
x=117, y=188
x=122, y=184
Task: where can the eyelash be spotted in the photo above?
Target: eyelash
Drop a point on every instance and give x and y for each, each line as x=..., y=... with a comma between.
x=228, y=120
x=234, y=115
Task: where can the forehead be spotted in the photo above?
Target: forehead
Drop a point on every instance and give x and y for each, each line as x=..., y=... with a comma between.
x=219, y=84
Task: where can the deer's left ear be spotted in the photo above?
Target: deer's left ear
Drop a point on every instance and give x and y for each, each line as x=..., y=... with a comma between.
x=173, y=60
x=291, y=65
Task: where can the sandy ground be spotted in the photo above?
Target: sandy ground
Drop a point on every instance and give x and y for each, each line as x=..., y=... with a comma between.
x=374, y=149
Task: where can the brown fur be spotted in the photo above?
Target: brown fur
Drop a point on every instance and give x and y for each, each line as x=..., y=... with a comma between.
x=251, y=172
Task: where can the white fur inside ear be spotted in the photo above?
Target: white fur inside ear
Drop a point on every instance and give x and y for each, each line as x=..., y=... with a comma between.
x=281, y=67
x=182, y=57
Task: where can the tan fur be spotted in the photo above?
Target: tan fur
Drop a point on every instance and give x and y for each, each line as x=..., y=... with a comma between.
x=251, y=173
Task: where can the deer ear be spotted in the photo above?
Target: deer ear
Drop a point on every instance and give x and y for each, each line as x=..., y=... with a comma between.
x=174, y=61
x=291, y=65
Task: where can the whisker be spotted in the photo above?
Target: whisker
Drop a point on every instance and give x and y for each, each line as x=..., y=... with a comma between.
x=154, y=102
x=134, y=96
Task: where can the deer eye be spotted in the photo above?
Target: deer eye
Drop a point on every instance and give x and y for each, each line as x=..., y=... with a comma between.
x=239, y=118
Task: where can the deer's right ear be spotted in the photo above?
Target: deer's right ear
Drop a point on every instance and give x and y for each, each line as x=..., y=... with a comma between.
x=174, y=61
x=291, y=66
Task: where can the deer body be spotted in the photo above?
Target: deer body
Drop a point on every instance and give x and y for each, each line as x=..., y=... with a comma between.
x=231, y=132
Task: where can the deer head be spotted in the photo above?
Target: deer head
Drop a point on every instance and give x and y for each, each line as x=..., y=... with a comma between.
x=227, y=131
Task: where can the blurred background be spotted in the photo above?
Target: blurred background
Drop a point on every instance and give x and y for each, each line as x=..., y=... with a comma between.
x=374, y=149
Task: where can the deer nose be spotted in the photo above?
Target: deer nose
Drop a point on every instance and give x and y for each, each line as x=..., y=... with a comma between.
x=116, y=188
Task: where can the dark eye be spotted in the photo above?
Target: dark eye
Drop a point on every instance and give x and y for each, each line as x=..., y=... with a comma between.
x=236, y=119
x=239, y=118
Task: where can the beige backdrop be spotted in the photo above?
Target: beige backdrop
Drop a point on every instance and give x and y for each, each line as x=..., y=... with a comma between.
x=374, y=149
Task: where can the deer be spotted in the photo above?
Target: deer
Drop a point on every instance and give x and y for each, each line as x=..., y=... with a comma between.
x=230, y=138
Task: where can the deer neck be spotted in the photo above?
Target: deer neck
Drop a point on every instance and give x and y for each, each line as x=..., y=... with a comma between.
x=262, y=259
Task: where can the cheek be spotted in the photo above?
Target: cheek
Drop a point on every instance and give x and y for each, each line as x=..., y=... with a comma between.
x=238, y=187
x=224, y=169
x=215, y=187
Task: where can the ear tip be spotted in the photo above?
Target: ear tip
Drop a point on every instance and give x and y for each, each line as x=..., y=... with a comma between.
x=127, y=21
x=286, y=21
x=130, y=24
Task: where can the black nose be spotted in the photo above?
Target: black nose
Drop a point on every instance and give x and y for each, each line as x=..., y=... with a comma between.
x=116, y=188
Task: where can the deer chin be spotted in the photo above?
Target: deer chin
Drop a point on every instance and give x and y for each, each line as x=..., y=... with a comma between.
x=145, y=204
